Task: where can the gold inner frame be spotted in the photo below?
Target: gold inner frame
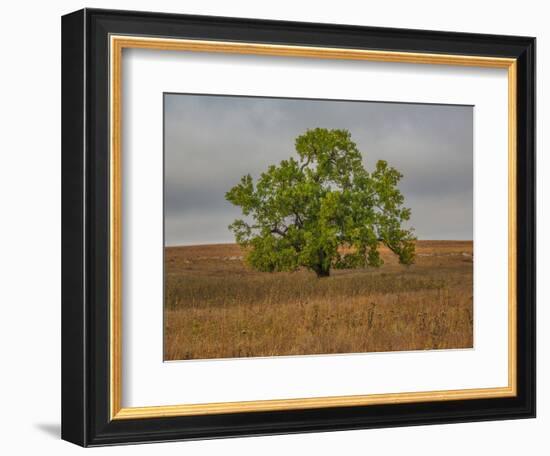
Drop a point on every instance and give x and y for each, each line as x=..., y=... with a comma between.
x=117, y=44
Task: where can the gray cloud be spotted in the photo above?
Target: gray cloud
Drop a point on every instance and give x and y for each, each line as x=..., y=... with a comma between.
x=211, y=141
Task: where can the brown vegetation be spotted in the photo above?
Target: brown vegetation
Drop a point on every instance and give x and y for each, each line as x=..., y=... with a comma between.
x=216, y=307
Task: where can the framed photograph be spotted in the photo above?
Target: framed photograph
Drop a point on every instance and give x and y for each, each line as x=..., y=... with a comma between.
x=278, y=227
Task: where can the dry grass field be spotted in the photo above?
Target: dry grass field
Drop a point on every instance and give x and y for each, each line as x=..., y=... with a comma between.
x=216, y=307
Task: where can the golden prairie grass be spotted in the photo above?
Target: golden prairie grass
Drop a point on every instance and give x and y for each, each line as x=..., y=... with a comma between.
x=216, y=307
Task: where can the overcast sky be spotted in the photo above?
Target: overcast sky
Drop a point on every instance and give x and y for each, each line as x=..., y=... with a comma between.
x=211, y=141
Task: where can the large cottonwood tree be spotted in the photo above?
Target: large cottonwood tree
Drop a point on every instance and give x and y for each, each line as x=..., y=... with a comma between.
x=322, y=210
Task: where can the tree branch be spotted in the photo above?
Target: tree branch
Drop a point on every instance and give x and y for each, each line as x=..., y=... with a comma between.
x=304, y=165
x=298, y=220
x=278, y=231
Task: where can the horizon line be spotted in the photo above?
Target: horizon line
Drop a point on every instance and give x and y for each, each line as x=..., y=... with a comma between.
x=235, y=243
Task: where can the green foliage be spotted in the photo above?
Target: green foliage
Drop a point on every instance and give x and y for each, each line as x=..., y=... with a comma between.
x=323, y=210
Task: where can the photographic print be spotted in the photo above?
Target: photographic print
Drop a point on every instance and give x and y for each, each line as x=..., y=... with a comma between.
x=309, y=227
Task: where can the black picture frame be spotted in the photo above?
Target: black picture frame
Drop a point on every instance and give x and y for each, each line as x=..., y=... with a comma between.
x=85, y=228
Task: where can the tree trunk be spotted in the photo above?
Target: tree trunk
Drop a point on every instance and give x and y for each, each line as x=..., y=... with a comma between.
x=321, y=269
x=322, y=272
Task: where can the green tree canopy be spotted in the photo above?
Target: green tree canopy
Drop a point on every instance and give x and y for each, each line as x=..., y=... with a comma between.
x=322, y=210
